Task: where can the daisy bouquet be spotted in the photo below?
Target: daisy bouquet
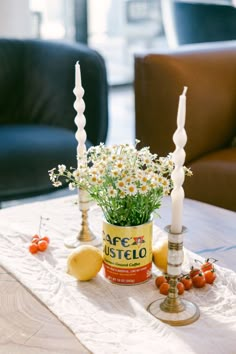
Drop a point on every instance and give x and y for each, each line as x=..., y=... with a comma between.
x=128, y=184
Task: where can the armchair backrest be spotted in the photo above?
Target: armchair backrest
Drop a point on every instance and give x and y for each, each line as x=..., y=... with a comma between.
x=11, y=81
x=37, y=79
x=209, y=72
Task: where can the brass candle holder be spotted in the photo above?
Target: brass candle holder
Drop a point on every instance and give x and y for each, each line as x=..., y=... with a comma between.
x=173, y=310
x=85, y=235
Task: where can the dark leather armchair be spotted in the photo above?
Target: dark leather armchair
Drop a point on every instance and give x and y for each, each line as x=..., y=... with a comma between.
x=188, y=22
x=37, y=126
x=209, y=71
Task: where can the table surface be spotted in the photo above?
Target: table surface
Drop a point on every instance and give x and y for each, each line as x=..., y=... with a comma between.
x=27, y=326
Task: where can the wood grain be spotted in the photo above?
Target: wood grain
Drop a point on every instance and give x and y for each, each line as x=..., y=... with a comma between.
x=27, y=326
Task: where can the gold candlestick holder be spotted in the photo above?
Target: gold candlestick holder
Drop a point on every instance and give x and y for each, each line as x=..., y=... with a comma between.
x=85, y=236
x=173, y=310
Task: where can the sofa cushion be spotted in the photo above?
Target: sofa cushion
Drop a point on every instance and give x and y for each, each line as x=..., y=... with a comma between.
x=218, y=170
x=27, y=153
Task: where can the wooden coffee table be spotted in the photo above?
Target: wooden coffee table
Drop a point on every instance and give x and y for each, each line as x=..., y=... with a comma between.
x=27, y=326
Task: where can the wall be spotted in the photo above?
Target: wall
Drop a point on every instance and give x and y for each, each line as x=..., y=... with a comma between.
x=15, y=18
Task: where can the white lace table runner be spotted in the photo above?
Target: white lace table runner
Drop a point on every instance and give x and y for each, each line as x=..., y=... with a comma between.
x=109, y=318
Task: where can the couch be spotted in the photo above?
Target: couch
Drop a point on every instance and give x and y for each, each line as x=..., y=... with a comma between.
x=187, y=21
x=209, y=72
x=37, y=128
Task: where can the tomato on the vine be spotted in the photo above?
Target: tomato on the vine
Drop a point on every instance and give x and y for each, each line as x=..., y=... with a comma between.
x=33, y=248
x=208, y=264
x=45, y=238
x=210, y=276
x=180, y=287
x=42, y=245
x=164, y=288
x=194, y=271
x=199, y=280
x=38, y=244
x=160, y=280
x=187, y=281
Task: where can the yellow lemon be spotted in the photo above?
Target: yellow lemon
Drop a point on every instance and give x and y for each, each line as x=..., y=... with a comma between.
x=85, y=262
x=160, y=254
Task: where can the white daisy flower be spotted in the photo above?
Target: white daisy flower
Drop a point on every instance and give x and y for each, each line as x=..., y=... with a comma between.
x=61, y=169
x=128, y=179
x=93, y=171
x=119, y=165
x=93, y=179
x=165, y=182
x=76, y=173
x=131, y=189
x=121, y=184
x=71, y=186
x=156, y=179
x=166, y=192
x=147, y=160
x=113, y=157
x=101, y=170
x=52, y=178
x=143, y=189
x=143, y=179
x=115, y=172
x=112, y=192
x=57, y=184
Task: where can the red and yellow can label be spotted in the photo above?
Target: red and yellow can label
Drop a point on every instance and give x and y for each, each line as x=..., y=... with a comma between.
x=127, y=253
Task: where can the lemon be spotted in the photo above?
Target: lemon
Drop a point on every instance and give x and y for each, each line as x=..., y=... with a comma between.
x=160, y=255
x=85, y=262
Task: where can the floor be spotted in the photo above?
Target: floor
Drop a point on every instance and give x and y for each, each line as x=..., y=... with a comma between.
x=121, y=130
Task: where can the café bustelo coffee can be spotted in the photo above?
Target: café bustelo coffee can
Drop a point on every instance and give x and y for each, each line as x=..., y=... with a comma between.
x=127, y=253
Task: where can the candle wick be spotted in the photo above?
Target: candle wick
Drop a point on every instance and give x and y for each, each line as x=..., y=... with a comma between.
x=185, y=90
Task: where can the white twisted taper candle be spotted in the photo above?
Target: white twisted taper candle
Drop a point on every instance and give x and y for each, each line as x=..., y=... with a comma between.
x=80, y=120
x=177, y=194
x=85, y=235
x=80, y=134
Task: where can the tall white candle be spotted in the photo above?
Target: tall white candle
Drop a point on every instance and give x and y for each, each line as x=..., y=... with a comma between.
x=80, y=120
x=177, y=194
x=80, y=134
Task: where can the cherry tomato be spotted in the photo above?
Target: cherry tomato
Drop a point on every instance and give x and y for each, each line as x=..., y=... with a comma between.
x=35, y=240
x=194, y=271
x=164, y=288
x=35, y=236
x=45, y=238
x=187, y=281
x=208, y=265
x=33, y=248
x=199, y=280
x=160, y=280
x=210, y=276
x=42, y=245
x=180, y=287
